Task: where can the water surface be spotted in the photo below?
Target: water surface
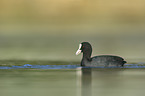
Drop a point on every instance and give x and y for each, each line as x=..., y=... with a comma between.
x=71, y=80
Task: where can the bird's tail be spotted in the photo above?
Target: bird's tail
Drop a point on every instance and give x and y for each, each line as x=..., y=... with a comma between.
x=124, y=62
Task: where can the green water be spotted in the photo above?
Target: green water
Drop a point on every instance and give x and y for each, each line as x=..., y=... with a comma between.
x=118, y=82
x=37, y=82
x=72, y=82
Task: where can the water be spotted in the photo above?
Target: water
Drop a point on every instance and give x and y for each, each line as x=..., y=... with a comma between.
x=37, y=83
x=29, y=66
x=71, y=80
x=128, y=82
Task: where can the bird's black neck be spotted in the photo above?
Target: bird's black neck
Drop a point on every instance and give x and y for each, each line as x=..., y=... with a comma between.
x=86, y=58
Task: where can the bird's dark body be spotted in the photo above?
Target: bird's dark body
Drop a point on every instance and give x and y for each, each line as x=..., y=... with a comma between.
x=103, y=60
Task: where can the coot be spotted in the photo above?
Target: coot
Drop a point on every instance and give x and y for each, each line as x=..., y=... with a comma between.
x=101, y=60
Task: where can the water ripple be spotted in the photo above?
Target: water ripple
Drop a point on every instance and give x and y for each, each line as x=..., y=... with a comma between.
x=29, y=66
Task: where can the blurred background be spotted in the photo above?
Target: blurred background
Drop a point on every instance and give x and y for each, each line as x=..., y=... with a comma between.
x=46, y=32
x=53, y=29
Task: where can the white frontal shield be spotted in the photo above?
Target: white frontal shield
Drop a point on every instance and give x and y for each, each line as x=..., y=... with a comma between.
x=79, y=51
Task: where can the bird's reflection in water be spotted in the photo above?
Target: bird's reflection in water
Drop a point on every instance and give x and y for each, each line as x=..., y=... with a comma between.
x=85, y=81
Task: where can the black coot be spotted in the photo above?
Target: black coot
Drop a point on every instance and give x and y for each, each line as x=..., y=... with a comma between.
x=101, y=60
